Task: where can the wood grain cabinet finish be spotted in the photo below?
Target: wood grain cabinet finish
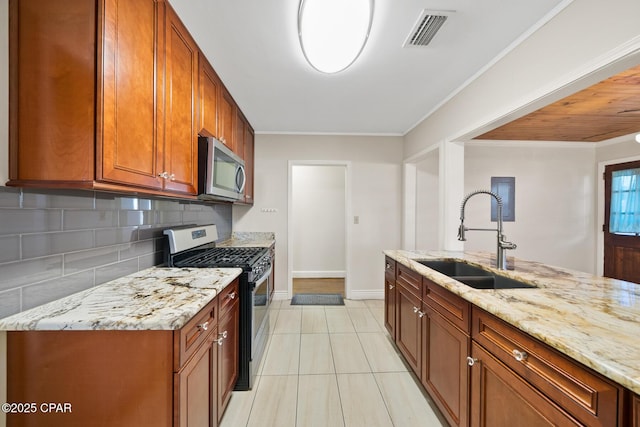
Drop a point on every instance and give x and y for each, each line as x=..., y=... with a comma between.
x=635, y=410
x=390, y=296
x=481, y=371
x=196, y=387
x=179, y=378
x=446, y=346
x=500, y=397
x=249, y=163
x=589, y=397
x=228, y=345
x=209, y=92
x=181, y=89
x=130, y=74
x=409, y=326
x=226, y=116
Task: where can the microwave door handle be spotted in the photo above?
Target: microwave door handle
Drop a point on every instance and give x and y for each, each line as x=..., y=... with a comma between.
x=241, y=178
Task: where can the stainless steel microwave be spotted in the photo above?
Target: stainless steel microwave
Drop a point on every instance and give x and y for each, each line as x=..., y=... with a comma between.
x=222, y=176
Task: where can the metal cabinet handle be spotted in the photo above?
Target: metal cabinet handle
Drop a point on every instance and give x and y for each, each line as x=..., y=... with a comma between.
x=520, y=356
x=415, y=309
x=203, y=326
x=388, y=266
x=163, y=175
x=391, y=286
x=172, y=177
x=218, y=341
x=232, y=295
x=223, y=335
x=471, y=361
x=421, y=314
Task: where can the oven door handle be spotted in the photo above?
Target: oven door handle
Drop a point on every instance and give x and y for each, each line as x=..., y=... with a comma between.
x=262, y=278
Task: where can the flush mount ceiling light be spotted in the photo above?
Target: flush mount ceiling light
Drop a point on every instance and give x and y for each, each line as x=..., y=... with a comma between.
x=333, y=32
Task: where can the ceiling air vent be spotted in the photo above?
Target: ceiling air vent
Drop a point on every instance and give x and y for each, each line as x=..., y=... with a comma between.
x=426, y=27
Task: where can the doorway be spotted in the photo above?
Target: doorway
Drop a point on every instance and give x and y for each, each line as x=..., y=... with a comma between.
x=318, y=206
x=622, y=221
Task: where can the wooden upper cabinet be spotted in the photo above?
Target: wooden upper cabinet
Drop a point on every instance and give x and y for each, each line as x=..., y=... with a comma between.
x=181, y=91
x=226, y=115
x=209, y=92
x=129, y=114
x=249, y=165
x=52, y=71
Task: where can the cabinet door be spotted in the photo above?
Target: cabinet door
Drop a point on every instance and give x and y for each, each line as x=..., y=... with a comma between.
x=635, y=411
x=409, y=327
x=52, y=70
x=445, y=373
x=208, y=108
x=390, y=305
x=500, y=398
x=226, y=113
x=196, y=388
x=181, y=136
x=227, y=355
x=240, y=124
x=129, y=113
x=249, y=149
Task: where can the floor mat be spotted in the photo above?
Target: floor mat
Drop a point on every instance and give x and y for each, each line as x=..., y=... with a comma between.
x=317, y=299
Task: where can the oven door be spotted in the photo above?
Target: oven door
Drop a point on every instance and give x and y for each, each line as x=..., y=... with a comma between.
x=260, y=327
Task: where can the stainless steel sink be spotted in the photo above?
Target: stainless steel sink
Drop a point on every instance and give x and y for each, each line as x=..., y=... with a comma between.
x=473, y=276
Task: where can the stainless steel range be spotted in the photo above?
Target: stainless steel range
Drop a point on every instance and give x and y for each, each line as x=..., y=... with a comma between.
x=195, y=247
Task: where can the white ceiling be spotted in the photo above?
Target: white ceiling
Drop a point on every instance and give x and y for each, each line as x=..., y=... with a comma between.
x=253, y=45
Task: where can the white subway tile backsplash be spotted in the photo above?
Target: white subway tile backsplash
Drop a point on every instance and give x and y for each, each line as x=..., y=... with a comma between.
x=57, y=242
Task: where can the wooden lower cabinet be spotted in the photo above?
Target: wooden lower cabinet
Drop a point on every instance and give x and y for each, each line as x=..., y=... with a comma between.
x=197, y=388
x=445, y=373
x=141, y=378
x=390, y=297
x=500, y=397
x=481, y=371
x=228, y=348
x=635, y=411
x=409, y=327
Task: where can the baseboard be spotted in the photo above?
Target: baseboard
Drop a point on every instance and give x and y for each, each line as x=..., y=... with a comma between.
x=366, y=294
x=318, y=274
x=280, y=295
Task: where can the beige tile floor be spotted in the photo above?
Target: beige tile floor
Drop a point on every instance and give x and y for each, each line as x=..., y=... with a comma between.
x=331, y=366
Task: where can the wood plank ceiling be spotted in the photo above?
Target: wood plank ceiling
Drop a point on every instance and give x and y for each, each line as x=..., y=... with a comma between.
x=603, y=111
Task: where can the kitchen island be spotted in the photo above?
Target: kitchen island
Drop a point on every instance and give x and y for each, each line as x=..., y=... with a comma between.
x=592, y=320
x=139, y=350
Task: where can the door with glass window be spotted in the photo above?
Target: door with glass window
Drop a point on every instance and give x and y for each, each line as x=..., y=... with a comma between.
x=622, y=221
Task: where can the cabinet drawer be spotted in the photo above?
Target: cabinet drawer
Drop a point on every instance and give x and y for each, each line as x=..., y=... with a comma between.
x=451, y=306
x=411, y=280
x=389, y=268
x=583, y=393
x=188, y=339
x=228, y=296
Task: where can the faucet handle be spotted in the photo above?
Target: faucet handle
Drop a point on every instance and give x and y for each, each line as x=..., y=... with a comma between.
x=506, y=245
x=461, y=231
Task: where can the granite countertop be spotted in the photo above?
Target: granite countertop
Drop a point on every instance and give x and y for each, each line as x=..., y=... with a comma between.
x=153, y=299
x=249, y=239
x=592, y=319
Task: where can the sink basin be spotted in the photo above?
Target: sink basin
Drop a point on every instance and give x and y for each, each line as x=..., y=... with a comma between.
x=455, y=268
x=473, y=276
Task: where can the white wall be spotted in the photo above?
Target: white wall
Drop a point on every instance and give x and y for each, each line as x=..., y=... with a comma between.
x=565, y=55
x=375, y=196
x=427, y=201
x=318, y=222
x=554, y=201
x=582, y=38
